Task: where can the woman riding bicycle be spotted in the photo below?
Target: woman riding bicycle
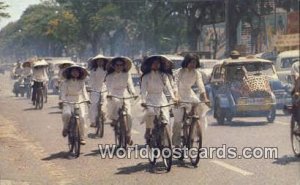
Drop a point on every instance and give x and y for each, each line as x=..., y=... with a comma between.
x=119, y=83
x=97, y=76
x=154, y=80
x=186, y=77
x=39, y=77
x=73, y=90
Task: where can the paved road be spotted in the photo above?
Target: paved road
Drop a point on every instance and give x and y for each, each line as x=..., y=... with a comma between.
x=34, y=152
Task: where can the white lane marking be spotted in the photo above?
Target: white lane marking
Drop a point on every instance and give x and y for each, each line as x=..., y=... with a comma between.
x=135, y=131
x=282, y=123
x=232, y=168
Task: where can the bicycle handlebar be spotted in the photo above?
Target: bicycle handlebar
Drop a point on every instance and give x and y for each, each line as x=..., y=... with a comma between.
x=182, y=102
x=122, y=98
x=99, y=92
x=73, y=103
x=159, y=106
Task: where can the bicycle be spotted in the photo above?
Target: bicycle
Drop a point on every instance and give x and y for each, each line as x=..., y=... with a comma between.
x=295, y=137
x=100, y=115
x=39, y=95
x=121, y=126
x=160, y=139
x=192, y=134
x=27, y=82
x=74, y=131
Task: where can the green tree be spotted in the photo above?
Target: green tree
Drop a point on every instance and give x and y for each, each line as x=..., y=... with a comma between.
x=3, y=6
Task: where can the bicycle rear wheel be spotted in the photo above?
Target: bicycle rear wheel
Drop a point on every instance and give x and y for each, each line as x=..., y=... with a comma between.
x=295, y=138
x=166, y=149
x=195, y=142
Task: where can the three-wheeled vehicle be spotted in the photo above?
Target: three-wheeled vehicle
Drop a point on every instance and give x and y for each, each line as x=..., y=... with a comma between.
x=241, y=88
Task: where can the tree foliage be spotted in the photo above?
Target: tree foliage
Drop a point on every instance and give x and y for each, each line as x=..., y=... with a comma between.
x=113, y=27
x=3, y=14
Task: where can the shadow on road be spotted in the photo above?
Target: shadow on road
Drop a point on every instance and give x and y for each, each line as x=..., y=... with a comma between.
x=240, y=124
x=59, y=155
x=142, y=167
x=57, y=112
x=29, y=109
x=285, y=160
x=94, y=153
x=158, y=168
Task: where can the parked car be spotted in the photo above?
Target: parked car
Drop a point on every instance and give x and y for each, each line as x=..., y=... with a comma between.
x=284, y=62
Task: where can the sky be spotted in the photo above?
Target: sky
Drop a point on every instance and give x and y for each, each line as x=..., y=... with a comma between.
x=15, y=9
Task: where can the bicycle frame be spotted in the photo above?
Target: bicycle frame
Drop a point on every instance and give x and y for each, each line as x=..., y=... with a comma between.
x=74, y=136
x=121, y=126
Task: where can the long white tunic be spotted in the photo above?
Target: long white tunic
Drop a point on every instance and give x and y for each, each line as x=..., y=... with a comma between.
x=97, y=78
x=118, y=84
x=40, y=74
x=96, y=82
x=27, y=71
x=18, y=71
x=152, y=92
x=185, y=79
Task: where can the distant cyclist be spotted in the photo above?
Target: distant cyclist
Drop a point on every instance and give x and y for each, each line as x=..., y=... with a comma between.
x=97, y=67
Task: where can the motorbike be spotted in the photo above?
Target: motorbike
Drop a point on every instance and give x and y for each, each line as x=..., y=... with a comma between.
x=19, y=87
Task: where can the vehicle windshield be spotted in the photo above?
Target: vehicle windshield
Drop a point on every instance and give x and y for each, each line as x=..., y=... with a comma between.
x=288, y=62
x=255, y=68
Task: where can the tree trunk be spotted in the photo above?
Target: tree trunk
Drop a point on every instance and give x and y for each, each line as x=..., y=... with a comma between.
x=215, y=46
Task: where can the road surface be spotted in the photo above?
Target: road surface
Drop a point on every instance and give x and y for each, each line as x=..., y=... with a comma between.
x=32, y=151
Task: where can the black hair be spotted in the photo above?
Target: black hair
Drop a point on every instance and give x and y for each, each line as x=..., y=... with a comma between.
x=69, y=75
x=94, y=64
x=146, y=66
x=113, y=63
x=188, y=58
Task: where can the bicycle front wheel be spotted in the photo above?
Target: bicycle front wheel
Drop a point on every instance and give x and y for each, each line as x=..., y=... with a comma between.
x=166, y=148
x=195, y=142
x=74, y=137
x=100, y=126
x=295, y=138
x=123, y=131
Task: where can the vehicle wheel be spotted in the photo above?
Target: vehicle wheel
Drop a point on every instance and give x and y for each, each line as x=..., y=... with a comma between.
x=167, y=149
x=22, y=92
x=295, y=139
x=220, y=115
x=195, y=141
x=271, y=116
x=229, y=118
